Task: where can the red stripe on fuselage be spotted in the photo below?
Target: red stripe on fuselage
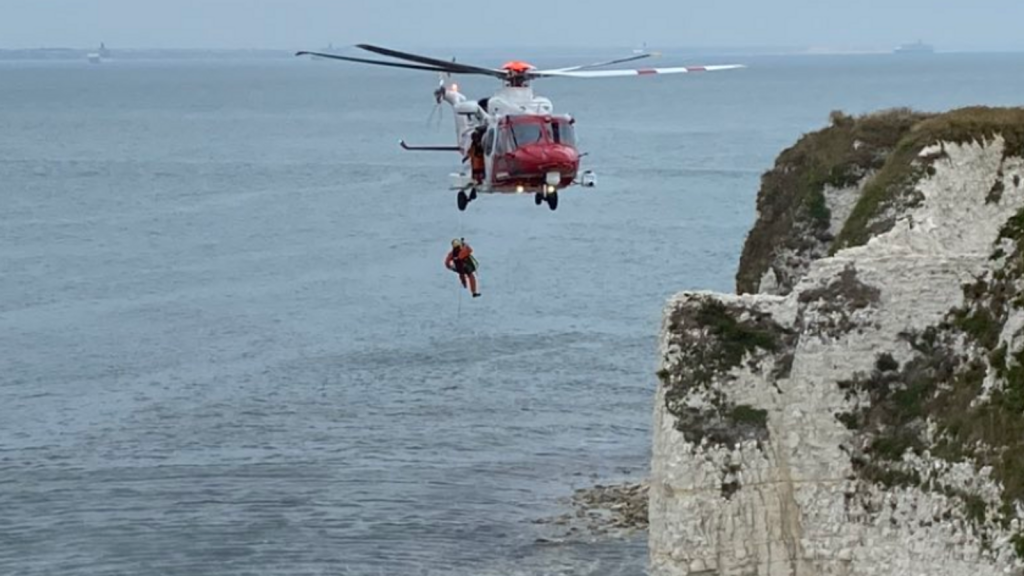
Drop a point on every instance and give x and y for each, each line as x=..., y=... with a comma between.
x=646, y=71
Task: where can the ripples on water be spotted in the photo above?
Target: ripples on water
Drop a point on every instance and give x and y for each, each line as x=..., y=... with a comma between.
x=230, y=346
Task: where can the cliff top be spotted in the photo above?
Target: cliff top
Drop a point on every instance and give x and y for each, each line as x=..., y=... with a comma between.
x=874, y=160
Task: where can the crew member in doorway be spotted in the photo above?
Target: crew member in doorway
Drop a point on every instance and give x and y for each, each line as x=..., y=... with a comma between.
x=475, y=155
x=461, y=261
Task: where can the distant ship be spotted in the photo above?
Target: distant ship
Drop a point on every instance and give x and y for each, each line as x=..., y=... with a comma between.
x=98, y=56
x=918, y=47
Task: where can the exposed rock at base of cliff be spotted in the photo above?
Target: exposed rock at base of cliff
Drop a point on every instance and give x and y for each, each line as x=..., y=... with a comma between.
x=859, y=408
x=602, y=511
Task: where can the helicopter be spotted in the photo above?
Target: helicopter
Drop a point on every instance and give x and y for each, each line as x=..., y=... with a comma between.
x=512, y=142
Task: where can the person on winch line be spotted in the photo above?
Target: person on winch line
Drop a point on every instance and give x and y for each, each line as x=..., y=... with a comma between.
x=475, y=155
x=461, y=260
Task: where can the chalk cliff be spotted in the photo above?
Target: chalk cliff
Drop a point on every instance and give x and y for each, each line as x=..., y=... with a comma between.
x=858, y=407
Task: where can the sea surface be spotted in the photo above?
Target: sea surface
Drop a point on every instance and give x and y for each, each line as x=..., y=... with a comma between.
x=228, y=344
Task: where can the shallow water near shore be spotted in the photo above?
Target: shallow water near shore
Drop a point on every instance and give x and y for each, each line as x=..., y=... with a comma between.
x=230, y=346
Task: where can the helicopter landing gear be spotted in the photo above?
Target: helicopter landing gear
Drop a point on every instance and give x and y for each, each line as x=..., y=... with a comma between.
x=545, y=196
x=464, y=199
x=552, y=199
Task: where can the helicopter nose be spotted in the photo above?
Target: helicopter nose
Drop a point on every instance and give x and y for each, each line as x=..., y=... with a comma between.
x=544, y=157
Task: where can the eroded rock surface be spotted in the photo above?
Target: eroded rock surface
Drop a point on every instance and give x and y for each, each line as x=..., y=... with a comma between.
x=865, y=415
x=602, y=511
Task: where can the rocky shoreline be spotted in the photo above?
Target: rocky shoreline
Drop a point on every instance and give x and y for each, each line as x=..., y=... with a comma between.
x=602, y=511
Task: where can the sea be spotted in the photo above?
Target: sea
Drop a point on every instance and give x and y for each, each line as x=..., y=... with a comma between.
x=229, y=346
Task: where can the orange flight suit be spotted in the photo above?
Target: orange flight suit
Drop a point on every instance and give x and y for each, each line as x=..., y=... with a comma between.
x=459, y=260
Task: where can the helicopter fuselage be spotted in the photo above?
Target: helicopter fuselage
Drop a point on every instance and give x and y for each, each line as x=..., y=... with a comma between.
x=525, y=147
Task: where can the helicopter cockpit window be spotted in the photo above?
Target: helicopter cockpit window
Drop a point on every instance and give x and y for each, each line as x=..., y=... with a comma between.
x=562, y=132
x=526, y=134
x=504, y=145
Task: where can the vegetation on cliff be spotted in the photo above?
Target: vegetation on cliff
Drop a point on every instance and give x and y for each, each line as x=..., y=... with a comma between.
x=957, y=398
x=894, y=184
x=729, y=337
x=793, y=214
x=882, y=153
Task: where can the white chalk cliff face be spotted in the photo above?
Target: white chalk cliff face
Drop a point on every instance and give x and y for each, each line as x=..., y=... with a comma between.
x=867, y=422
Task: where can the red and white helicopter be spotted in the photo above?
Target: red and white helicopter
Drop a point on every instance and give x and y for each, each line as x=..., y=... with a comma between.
x=513, y=142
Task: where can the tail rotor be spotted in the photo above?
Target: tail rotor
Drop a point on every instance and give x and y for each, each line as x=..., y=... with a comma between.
x=436, y=116
x=438, y=112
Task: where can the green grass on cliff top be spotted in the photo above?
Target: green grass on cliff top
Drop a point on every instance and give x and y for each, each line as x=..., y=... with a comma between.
x=904, y=167
x=793, y=190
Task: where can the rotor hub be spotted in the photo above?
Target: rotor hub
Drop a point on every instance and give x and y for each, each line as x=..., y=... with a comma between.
x=518, y=67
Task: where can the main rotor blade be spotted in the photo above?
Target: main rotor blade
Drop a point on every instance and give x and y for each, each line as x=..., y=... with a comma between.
x=637, y=72
x=375, y=62
x=600, y=64
x=454, y=67
x=428, y=148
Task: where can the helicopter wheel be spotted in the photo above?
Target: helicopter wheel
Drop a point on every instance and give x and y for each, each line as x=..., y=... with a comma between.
x=553, y=200
x=463, y=201
x=538, y=198
x=472, y=195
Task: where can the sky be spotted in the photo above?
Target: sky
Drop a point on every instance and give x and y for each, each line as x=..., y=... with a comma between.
x=311, y=24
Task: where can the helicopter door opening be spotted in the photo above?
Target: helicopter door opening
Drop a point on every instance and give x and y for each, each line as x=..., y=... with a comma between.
x=489, y=153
